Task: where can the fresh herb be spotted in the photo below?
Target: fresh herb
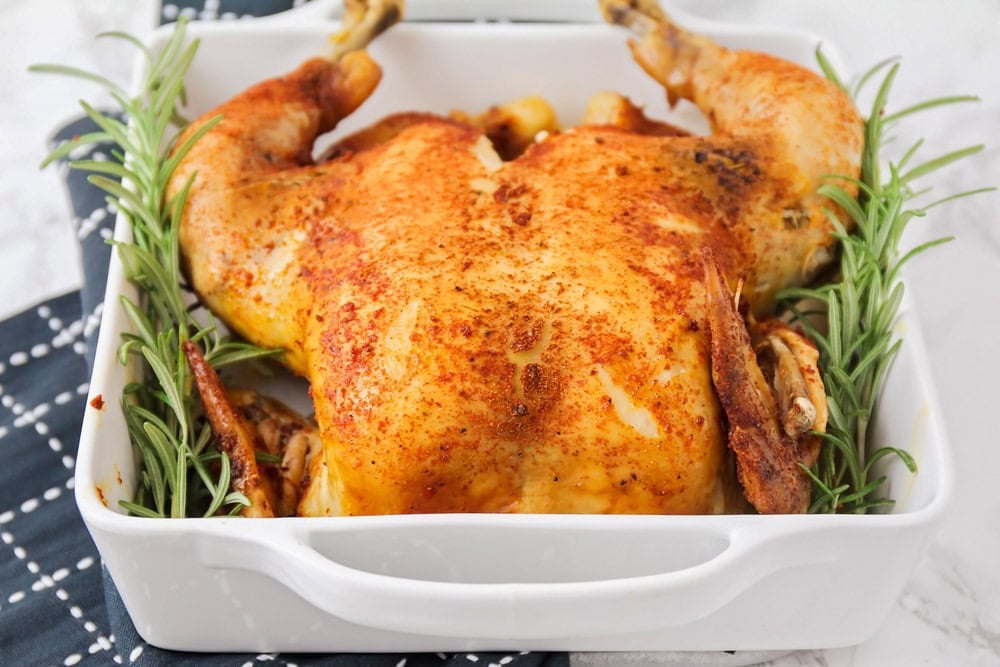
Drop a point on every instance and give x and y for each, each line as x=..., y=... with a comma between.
x=181, y=474
x=858, y=344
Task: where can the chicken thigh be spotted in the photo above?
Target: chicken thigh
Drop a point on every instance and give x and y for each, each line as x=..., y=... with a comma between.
x=555, y=332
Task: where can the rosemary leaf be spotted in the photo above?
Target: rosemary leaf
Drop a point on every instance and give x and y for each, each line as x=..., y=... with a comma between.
x=131, y=39
x=179, y=475
x=64, y=149
x=860, y=342
x=77, y=73
x=928, y=104
x=941, y=161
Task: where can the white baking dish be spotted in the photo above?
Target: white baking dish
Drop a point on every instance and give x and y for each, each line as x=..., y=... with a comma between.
x=464, y=582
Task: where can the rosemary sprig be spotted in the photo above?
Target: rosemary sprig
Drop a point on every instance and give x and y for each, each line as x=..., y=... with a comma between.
x=180, y=474
x=858, y=346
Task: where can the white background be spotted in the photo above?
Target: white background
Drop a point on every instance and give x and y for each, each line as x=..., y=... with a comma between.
x=950, y=612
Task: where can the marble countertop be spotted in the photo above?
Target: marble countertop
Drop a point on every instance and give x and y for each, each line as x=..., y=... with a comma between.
x=949, y=613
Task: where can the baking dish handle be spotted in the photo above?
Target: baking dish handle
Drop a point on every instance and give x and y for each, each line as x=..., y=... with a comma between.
x=517, y=611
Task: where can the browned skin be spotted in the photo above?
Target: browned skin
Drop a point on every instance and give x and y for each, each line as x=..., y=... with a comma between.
x=233, y=435
x=530, y=335
x=769, y=442
x=245, y=422
x=281, y=432
x=613, y=109
x=510, y=127
x=378, y=133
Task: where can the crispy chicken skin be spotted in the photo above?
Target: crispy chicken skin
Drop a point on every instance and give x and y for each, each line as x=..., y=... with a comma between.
x=537, y=334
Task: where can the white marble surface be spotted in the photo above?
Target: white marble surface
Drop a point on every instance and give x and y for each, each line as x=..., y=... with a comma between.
x=949, y=613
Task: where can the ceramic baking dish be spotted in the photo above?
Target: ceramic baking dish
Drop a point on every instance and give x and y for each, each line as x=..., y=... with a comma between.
x=464, y=582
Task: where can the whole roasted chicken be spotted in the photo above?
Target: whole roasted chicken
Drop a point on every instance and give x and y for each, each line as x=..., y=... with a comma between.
x=496, y=315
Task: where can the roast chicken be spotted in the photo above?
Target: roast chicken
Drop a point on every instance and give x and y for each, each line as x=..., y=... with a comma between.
x=496, y=314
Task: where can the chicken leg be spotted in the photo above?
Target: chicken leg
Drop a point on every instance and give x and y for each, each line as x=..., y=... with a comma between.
x=800, y=128
x=243, y=270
